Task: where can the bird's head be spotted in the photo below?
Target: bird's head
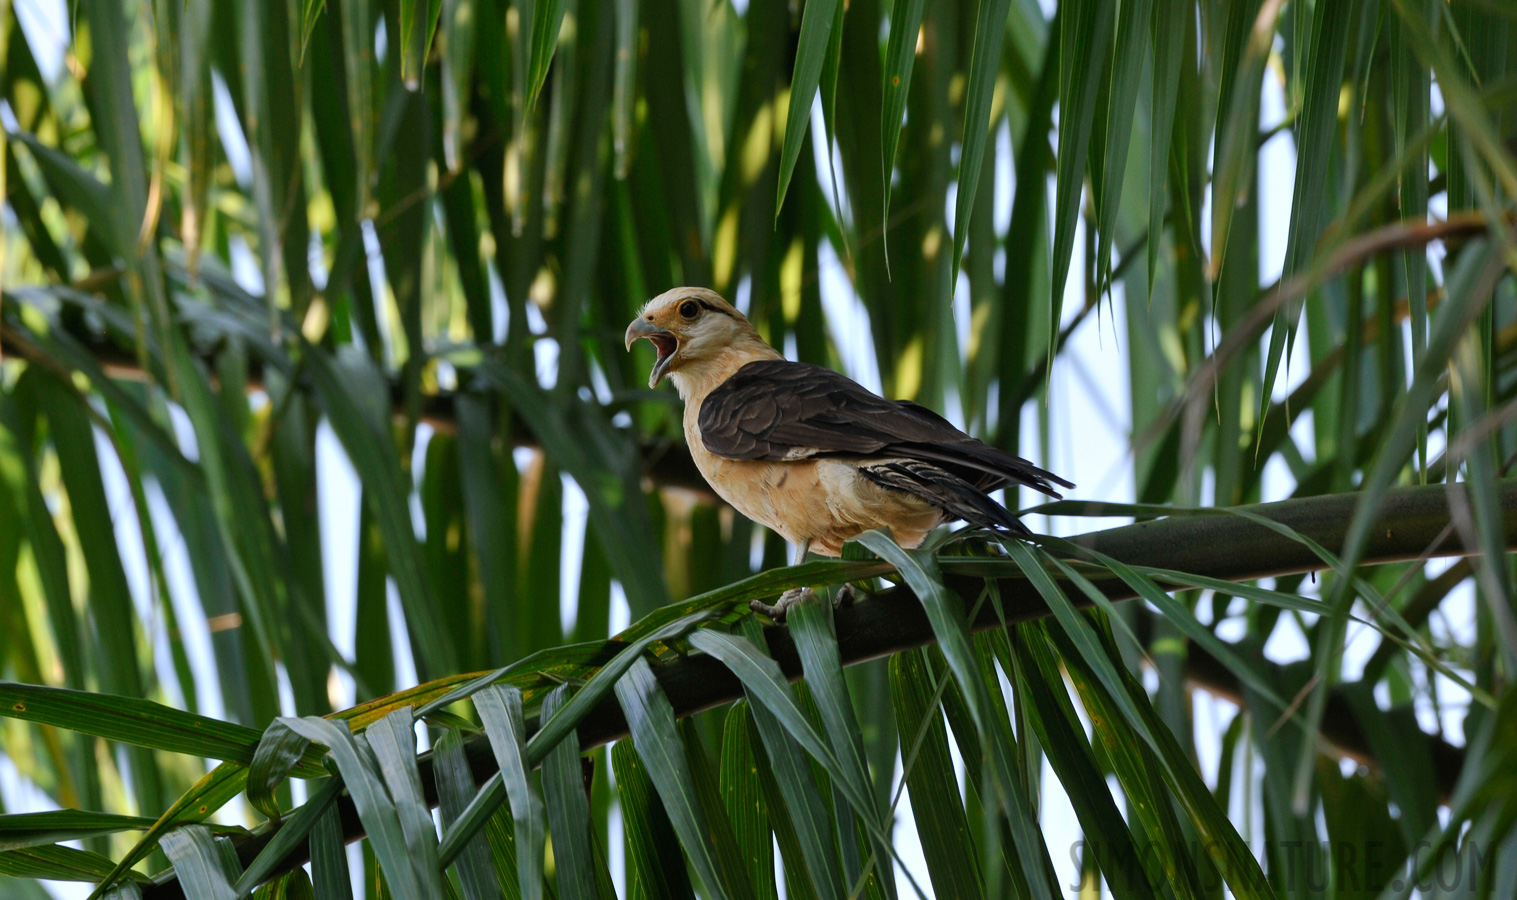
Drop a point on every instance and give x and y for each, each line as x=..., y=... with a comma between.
x=692, y=328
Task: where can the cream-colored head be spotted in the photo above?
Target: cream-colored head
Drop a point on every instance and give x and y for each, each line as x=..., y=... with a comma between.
x=698, y=335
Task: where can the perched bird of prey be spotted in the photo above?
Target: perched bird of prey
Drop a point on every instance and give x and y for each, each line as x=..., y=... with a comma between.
x=811, y=453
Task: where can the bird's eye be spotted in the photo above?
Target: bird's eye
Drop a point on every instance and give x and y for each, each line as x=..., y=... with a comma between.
x=689, y=309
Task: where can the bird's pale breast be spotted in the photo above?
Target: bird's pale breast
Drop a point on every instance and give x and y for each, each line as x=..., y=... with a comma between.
x=826, y=502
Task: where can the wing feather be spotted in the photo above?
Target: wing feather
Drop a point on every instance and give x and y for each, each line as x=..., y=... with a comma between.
x=782, y=410
x=948, y=492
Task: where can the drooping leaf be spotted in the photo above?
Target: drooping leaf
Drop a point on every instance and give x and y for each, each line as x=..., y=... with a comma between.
x=984, y=64
x=19, y=830
x=200, y=862
x=1085, y=28
x=455, y=787
x=952, y=629
x=817, y=22
x=568, y=809
x=658, y=743
x=743, y=798
x=654, y=863
x=501, y=711
x=942, y=825
x=900, y=58
x=307, y=822
x=366, y=785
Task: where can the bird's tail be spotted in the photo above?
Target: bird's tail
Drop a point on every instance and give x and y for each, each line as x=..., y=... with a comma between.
x=944, y=490
x=1002, y=467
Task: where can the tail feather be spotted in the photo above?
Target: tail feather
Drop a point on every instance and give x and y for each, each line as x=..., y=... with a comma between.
x=944, y=490
x=1002, y=467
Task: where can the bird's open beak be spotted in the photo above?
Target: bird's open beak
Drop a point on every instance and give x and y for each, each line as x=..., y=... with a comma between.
x=665, y=342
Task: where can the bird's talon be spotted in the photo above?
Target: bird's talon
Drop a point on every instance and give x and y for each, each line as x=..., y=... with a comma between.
x=782, y=606
x=846, y=596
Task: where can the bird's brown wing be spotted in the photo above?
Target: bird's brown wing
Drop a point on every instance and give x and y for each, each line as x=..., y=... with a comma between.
x=782, y=410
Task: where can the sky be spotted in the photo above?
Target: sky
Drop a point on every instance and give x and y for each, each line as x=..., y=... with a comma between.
x=1089, y=435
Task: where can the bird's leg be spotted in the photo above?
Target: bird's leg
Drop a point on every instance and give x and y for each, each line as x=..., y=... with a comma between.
x=789, y=598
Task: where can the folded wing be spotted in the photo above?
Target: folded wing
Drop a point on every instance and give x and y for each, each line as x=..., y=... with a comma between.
x=782, y=410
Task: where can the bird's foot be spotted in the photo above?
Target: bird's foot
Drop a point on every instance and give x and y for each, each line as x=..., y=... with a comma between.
x=845, y=597
x=782, y=606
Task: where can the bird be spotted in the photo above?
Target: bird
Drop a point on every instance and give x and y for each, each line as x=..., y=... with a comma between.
x=809, y=452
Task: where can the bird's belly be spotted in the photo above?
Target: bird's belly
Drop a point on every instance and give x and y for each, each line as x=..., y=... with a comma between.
x=826, y=502
x=785, y=496
x=858, y=505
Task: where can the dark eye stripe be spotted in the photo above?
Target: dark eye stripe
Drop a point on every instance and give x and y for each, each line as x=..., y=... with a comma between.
x=712, y=307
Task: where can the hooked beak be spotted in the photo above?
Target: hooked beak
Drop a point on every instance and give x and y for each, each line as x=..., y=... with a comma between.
x=665, y=342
